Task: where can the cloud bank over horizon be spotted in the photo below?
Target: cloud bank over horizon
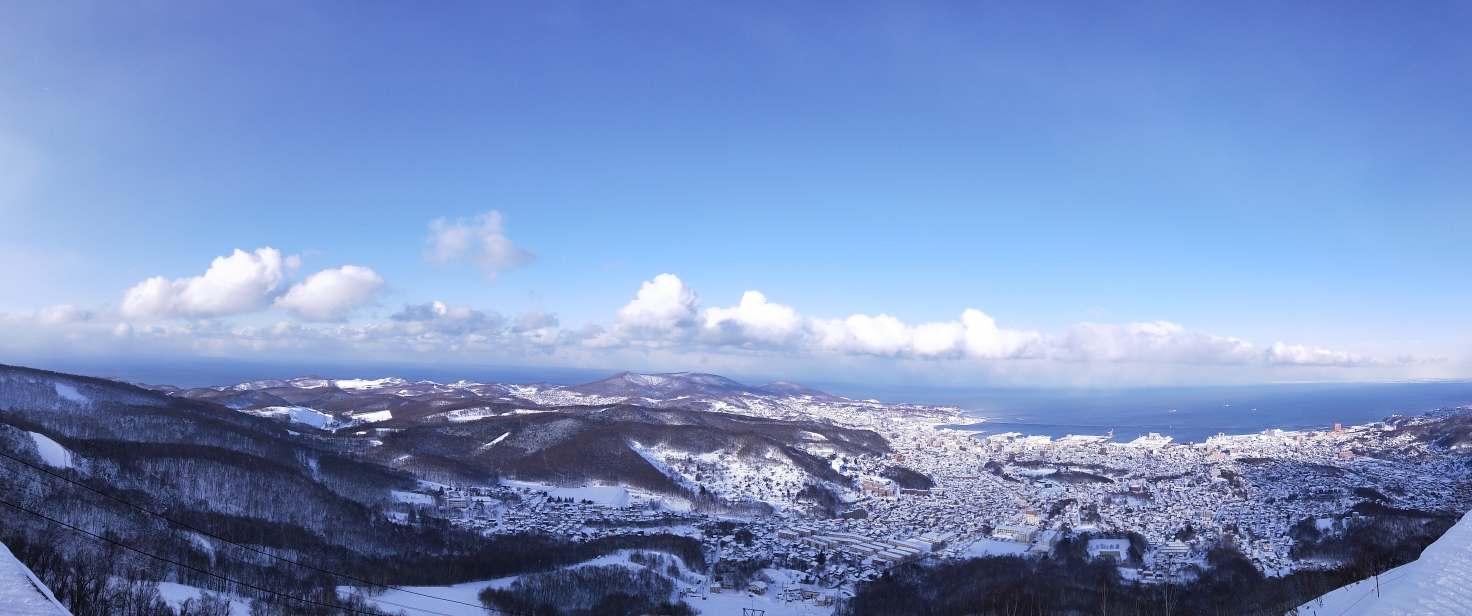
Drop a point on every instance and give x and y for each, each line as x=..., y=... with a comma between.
x=667, y=312
x=665, y=326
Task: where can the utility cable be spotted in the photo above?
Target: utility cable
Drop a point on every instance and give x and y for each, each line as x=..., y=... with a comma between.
x=243, y=546
x=222, y=539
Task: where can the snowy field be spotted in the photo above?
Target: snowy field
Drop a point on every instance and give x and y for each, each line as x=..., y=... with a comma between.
x=412, y=497
x=731, y=602
x=450, y=600
x=177, y=594
x=993, y=547
x=298, y=414
x=611, y=496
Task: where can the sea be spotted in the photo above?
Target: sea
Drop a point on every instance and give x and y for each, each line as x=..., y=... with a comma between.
x=1187, y=414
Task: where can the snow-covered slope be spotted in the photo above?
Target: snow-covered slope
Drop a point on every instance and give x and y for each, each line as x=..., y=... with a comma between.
x=21, y=594
x=466, y=400
x=1440, y=582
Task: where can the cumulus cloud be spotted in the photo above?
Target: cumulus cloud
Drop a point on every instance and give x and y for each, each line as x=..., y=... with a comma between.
x=667, y=312
x=329, y=295
x=478, y=241
x=664, y=310
x=755, y=319
x=241, y=282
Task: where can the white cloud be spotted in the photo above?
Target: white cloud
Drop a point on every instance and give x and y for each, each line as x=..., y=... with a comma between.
x=1159, y=341
x=667, y=312
x=478, y=241
x=860, y=333
x=329, y=295
x=241, y=282
x=1301, y=355
x=666, y=327
x=664, y=310
x=987, y=341
x=755, y=319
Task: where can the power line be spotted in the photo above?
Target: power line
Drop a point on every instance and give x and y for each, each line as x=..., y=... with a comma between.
x=239, y=545
x=222, y=539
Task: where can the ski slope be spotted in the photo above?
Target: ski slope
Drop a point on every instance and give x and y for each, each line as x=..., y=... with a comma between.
x=1440, y=582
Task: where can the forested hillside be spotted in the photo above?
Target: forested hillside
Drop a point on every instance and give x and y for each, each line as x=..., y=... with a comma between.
x=108, y=488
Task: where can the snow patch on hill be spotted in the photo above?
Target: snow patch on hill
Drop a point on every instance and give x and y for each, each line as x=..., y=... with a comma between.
x=298, y=414
x=70, y=393
x=358, y=384
x=51, y=452
x=374, y=417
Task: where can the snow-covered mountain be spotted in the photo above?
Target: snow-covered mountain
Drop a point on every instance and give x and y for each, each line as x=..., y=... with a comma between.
x=685, y=435
x=350, y=400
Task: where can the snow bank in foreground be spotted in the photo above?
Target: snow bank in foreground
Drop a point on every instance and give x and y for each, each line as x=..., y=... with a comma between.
x=52, y=453
x=1440, y=582
x=21, y=593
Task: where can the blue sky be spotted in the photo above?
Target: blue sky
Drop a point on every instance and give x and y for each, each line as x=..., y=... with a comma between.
x=1140, y=193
